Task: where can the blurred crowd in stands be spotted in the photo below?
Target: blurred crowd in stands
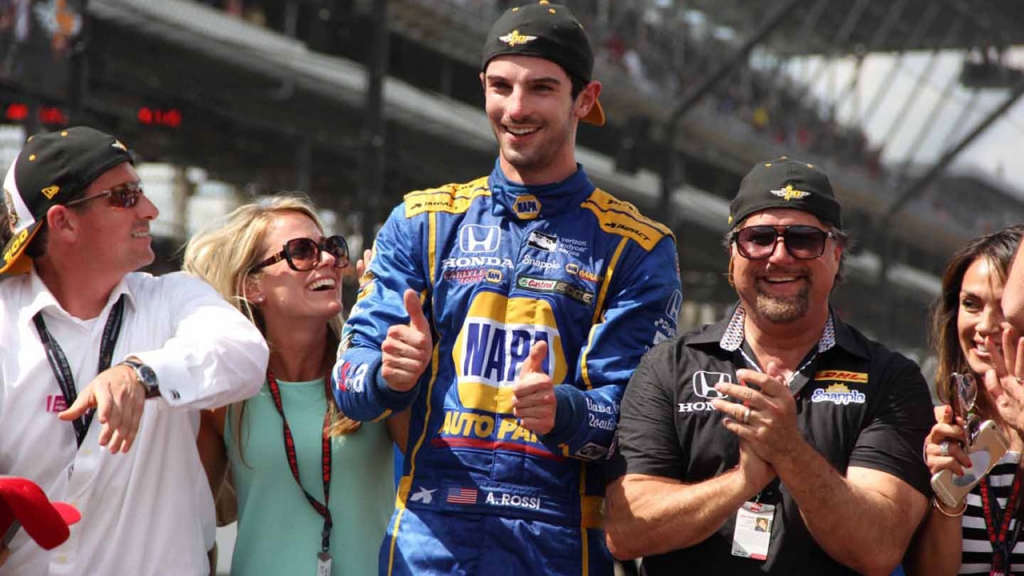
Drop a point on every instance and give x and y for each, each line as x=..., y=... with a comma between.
x=665, y=49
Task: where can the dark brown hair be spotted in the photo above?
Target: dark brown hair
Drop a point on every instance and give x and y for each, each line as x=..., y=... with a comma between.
x=999, y=249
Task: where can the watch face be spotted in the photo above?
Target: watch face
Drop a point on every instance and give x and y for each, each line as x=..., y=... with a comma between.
x=147, y=375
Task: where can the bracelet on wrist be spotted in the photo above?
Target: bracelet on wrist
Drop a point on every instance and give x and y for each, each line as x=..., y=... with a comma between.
x=947, y=512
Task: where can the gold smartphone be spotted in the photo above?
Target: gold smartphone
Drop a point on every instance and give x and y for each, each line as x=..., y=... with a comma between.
x=987, y=448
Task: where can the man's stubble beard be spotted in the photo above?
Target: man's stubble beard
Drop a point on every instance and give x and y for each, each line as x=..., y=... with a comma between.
x=534, y=158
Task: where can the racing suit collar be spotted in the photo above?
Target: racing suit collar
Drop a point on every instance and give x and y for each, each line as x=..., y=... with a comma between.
x=528, y=202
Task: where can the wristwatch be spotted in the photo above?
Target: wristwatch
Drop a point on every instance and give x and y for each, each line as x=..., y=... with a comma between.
x=146, y=376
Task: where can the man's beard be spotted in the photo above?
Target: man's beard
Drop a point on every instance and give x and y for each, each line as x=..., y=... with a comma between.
x=783, y=310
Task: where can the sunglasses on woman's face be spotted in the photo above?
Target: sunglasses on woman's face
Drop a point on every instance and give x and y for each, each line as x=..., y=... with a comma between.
x=303, y=254
x=123, y=196
x=802, y=242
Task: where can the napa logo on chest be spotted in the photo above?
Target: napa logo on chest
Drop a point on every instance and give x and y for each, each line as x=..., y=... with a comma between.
x=493, y=343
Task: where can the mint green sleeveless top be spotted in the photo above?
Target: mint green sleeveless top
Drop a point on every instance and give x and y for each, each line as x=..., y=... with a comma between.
x=278, y=529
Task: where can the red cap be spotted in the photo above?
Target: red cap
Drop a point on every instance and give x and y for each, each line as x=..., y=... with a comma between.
x=46, y=522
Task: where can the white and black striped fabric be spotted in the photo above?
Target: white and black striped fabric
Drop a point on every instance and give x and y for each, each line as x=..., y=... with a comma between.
x=977, y=550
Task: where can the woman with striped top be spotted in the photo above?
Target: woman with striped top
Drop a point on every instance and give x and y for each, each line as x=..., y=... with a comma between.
x=981, y=535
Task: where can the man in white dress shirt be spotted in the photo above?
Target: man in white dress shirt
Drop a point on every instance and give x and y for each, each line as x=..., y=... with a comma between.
x=103, y=369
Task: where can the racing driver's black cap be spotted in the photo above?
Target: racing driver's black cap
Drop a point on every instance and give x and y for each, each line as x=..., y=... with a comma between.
x=548, y=31
x=786, y=183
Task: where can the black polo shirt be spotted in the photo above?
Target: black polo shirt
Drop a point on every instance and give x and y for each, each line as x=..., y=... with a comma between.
x=858, y=404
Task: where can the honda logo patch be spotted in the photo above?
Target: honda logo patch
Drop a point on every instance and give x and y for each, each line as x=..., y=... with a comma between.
x=474, y=239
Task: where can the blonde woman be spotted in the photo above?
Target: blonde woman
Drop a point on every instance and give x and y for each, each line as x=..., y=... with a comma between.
x=314, y=488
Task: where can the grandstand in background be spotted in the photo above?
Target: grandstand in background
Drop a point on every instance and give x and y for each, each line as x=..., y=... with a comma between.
x=228, y=100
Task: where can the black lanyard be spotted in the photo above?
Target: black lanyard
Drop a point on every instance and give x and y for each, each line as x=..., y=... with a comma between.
x=62, y=371
x=997, y=523
x=293, y=463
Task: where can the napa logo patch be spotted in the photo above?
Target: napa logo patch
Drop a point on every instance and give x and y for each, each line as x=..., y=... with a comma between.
x=838, y=394
x=465, y=429
x=526, y=207
x=789, y=193
x=493, y=343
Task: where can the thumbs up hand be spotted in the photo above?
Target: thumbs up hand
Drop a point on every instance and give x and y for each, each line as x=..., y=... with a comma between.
x=534, y=403
x=407, y=348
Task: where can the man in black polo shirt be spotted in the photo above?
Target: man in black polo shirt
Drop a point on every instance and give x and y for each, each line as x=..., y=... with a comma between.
x=780, y=440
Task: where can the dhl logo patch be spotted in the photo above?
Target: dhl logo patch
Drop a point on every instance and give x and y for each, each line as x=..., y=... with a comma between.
x=842, y=376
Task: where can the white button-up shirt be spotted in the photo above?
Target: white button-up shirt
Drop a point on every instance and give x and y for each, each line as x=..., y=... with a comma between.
x=148, y=512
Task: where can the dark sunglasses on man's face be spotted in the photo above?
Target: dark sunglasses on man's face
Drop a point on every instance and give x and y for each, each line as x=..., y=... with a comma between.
x=802, y=242
x=303, y=254
x=123, y=196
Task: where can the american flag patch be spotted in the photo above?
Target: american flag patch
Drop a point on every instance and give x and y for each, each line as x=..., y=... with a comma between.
x=461, y=496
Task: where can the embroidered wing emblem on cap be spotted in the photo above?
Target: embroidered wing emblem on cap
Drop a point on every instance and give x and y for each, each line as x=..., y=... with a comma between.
x=514, y=38
x=789, y=193
x=12, y=213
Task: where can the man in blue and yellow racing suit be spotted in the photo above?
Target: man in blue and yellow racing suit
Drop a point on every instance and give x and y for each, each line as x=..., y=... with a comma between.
x=529, y=298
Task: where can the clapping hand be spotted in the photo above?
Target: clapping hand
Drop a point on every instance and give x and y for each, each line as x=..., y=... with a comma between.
x=766, y=419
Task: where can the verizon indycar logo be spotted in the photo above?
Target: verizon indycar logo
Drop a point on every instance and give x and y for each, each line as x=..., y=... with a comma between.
x=542, y=241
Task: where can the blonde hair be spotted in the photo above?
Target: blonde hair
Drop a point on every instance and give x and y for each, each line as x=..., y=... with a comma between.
x=225, y=256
